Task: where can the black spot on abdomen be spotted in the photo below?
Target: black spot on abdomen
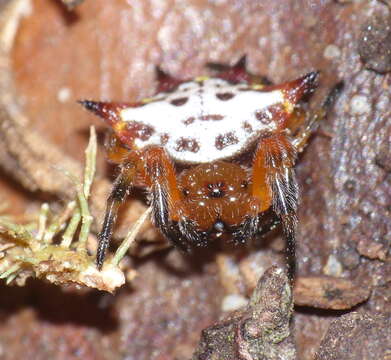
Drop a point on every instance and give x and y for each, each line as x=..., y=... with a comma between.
x=225, y=96
x=139, y=130
x=224, y=140
x=179, y=101
x=187, y=144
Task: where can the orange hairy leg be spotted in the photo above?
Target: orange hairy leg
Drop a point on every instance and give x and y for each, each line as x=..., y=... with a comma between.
x=274, y=182
x=296, y=120
x=306, y=129
x=275, y=186
x=303, y=123
x=167, y=199
x=153, y=167
x=275, y=151
x=116, y=151
x=160, y=176
x=273, y=176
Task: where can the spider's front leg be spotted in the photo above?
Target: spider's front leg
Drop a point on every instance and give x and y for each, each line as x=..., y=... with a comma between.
x=274, y=184
x=170, y=214
x=156, y=170
x=160, y=176
x=302, y=124
x=121, y=188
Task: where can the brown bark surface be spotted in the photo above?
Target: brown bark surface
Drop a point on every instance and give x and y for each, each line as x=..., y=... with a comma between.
x=109, y=50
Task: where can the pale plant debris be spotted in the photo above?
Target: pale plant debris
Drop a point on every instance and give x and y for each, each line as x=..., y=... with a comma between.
x=55, y=248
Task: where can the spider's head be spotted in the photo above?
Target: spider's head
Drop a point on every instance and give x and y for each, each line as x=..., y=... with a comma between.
x=217, y=195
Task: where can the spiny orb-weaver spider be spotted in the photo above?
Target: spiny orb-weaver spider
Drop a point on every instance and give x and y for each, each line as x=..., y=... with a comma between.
x=212, y=129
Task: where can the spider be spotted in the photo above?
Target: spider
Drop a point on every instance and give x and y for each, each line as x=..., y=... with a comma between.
x=216, y=154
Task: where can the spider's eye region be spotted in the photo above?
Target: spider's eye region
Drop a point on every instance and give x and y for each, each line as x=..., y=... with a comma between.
x=216, y=190
x=186, y=192
x=217, y=194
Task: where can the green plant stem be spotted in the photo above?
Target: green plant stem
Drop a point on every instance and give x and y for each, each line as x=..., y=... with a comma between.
x=123, y=248
x=71, y=229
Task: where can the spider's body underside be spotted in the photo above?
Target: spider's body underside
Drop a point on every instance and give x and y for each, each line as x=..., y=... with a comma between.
x=236, y=141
